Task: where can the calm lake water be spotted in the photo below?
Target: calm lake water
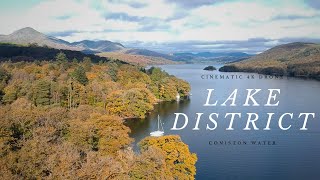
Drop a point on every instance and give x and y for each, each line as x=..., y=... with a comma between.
x=296, y=154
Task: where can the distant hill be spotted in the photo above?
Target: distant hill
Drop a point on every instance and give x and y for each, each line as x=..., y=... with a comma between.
x=98, y=46
x=204, y=57
x=28, y=35
x=17, y=53
x=137, y=59
x=145, y=52
x=105, y=48
x=294, y=59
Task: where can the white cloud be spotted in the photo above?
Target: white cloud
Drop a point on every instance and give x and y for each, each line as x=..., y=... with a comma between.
x=155, y=8
x=232, y=20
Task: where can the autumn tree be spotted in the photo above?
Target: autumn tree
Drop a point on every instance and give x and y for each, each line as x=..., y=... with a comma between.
x=130, y=103
x=106, y=134
x=180, y=161
x=65, y=121
x=150, y=164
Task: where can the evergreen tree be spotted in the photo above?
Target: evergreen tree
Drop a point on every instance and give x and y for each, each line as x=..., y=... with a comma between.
x=112, y=71
x=79, y=74
x=4, y=75
x=87, y=64
x=75, y=61
x=42, y=93
x=62, y=60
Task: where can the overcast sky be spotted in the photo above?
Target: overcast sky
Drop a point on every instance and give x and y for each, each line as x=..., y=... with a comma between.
x=170, y=25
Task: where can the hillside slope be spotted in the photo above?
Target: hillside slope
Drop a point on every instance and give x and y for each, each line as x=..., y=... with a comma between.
x=17, y=53
x=136, y=59
x=29, y=35
x=294, y=59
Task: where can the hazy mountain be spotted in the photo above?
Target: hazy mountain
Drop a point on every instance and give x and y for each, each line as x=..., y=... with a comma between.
x=204, y=57
x=201, y=57
x=145, y=52
x=30, y=36
x=212, y=54
x=137, y=58
x=99, y=46
x=293, y=59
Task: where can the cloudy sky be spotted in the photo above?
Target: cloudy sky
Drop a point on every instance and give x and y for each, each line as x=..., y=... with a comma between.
x=170, y=25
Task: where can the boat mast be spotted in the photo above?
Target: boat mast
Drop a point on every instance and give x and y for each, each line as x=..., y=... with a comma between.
x=158, y=123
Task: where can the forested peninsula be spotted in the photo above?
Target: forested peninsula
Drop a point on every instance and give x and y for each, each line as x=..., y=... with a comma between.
x=63, y=119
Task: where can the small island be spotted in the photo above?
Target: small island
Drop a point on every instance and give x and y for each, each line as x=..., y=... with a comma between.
x=210, y=68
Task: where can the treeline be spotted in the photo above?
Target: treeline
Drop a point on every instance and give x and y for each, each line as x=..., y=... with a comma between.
x=63, y=119
x=304, y=70
x=33, y=52
x=121, y=89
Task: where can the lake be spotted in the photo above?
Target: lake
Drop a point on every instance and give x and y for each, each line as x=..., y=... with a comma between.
x=296, y=154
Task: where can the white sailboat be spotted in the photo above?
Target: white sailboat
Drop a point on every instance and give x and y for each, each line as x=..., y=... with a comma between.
x=178, y=97
x=160, y=131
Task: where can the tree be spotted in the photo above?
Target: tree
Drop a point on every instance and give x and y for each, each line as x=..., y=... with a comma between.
x=131, y=103
x=10, y=93
x=62, y=60
x=180, y=161
x=42, y=93
x=106, y=134
x=79, y=74
x=112, y=71
x=4, y=75
x=150, y=164
x=87, y=64
x=75, y=61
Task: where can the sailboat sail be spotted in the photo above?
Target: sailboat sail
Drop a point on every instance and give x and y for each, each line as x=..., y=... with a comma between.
x=160, y=130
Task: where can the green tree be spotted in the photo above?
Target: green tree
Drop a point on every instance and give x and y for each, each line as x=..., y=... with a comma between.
x=41, y=93
x=4, y=75
x=62, y=60
x=112, y=71
x=10, y=93
x=87, y=64
x=75, y=61
x=79, y=74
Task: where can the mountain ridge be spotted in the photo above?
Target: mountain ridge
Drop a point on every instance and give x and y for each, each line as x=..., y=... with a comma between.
x=298, y=59
x=29, y=35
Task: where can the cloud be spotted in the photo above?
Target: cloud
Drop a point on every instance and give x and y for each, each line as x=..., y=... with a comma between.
x=193, y=4
x=153, y=9
x=62, y=33
x=313, y=3
x=251, y=46
x=172, y=25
